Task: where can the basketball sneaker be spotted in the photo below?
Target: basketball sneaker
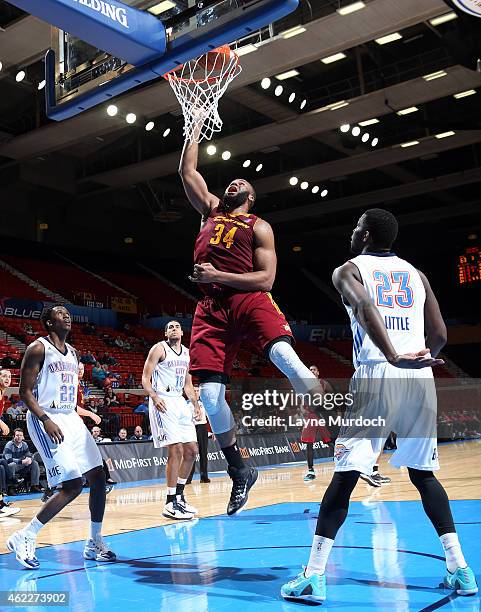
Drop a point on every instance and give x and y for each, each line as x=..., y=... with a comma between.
x=242, y=481
x=380, y=478
x=185, y=504
x=311, y=475
x=7, y=509
x=23, y=545
x=370, y=480
x=305, y=589
x=97, y=550
x=174, y=510
x=462, y=581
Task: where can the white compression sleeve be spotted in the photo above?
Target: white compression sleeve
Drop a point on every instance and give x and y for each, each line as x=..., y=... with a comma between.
x=289, y=363
x=212, y=395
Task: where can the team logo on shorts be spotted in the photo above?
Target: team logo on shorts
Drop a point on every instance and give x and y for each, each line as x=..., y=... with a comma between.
x=435, y=455
x=340, y=451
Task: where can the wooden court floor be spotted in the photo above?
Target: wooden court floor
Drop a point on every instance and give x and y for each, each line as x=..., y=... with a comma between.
x=140, y=507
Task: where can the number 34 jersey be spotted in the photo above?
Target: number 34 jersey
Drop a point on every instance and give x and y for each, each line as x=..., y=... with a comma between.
x=396, y=288
x=57, y=381
x=227, y=242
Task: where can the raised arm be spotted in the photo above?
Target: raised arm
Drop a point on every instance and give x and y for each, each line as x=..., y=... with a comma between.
x=265, y=265
x=194, y=184
x=31, y=366
x=156, y=354
x=436, y=333
x=347, y=281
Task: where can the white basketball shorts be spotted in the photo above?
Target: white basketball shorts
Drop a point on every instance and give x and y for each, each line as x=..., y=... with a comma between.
x=398, y=400
x=175, y=425
x=76, y=455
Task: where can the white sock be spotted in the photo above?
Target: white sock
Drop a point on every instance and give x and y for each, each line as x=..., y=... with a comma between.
x=171, y=490
x=452, y=549
x=33, y=527
x=321, y=547
x=181, y=481
x=95, y=529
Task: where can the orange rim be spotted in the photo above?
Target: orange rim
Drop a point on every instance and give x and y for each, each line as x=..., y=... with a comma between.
x=225, y=49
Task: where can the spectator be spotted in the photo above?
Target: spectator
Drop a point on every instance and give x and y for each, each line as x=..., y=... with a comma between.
x=90, y=329
x=82, y=392
x=143, y=408
x=127, y=346
x=20, y=460
x=111, y=400
x=98, y=375
x=119, y=342
x=5, y=380
x=88, y=358
x=97, y=435
x=122, y=437
x=138, y=434
x=92, y=405
x=16, y=410
x=130, y=381
x=107, y=360
x=111, y=381
x=9, y=362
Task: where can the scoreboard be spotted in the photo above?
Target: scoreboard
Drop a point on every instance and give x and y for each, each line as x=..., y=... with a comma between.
x=469, y=266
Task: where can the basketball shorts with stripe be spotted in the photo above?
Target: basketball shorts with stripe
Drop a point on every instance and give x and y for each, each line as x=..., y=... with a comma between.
x=175, y=425
x=76, y=455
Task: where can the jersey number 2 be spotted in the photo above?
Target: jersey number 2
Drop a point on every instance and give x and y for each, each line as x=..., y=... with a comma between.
x=67, y=394
x=385, y=292
x=228, y=238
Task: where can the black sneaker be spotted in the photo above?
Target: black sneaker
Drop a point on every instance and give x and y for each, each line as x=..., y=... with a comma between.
x=369, y=478
x=47, y=494
x=242, y=481
x=380, y=478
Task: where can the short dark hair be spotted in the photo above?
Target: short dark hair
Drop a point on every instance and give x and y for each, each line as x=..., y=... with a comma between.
x=382, y=226
x=17, y=429
x=171, y=321
x=47, y=313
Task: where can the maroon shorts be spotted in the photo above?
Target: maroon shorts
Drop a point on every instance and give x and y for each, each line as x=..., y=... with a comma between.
x=220, y=326
x=313, y=431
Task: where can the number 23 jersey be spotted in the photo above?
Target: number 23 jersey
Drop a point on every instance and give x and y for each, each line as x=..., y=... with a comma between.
x=396, y=288
x=57, y=381
x=227, y=242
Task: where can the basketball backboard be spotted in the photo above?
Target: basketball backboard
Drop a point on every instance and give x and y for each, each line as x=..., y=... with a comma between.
x=81, y=75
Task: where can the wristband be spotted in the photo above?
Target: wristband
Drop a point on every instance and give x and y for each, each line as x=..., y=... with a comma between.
x=44, y=418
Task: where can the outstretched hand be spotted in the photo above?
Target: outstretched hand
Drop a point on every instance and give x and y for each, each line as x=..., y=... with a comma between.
x=416, y=361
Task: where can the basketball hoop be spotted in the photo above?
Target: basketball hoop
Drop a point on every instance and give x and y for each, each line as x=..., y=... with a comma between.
x=198, y=85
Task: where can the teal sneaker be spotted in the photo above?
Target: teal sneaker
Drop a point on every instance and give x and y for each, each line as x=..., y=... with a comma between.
x=462, y=581
x=305, y=589
x=311, y=475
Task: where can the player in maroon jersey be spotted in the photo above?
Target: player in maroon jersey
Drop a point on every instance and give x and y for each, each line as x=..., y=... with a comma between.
x=235, y=266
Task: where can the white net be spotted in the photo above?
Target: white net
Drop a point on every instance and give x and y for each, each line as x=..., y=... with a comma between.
x=198, y=85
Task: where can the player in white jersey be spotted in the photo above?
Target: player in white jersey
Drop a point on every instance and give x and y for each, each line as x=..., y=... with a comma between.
x=394, y=316
x=166, y=378
x=48, y=387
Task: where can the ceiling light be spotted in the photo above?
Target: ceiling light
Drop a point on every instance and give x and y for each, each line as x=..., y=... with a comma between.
x=384, y=40
x=368, y=122
x=161, y=7
x=304, y=185
x=131, y=118
x=365, y=137
x=356, y=130
x=259, y=167
x=250, y=48
x=443, y=18
x=266, y=83
x=20, y=76
x=375, y=142
x=351, y=8
x=278, y=90
x=297, y=249
x=303, y=104
x=465, y=94
x=324, y=193
x=412, y=143
x=226, y=155
x=345, y=128
x=407, y=111
x=445, y=134
x=338, y=105
x=1, y=66
x=150, y=126
x=333, y=58
x=247, y=163
x=287, y=75
x=166, y=133
x=293, y=32
x=211, y=149
x=292, y=97
x=435, y=75
x=41, y=85
x=293, y=180
x=315, y=189
x=112, y=110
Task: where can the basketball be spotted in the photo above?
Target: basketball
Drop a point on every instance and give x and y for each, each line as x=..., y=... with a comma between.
x=214, y=61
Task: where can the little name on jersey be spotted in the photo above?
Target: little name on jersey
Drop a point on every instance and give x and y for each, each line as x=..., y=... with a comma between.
x=396, y=323
x=62, y=366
